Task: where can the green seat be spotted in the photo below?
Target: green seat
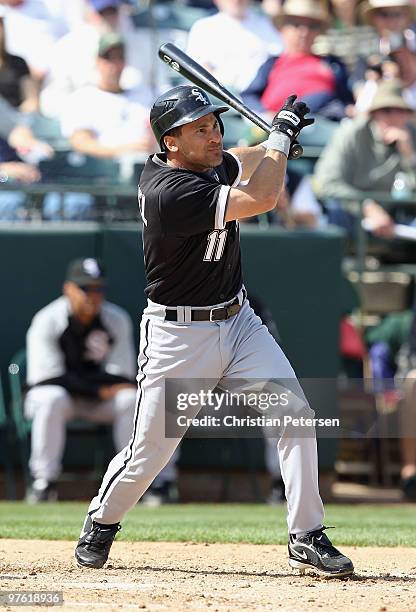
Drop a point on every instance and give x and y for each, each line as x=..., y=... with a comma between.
x=5, y=448
x=72, y=167
x=100, y=433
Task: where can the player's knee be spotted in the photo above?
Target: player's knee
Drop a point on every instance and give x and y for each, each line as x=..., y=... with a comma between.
x=53, y=400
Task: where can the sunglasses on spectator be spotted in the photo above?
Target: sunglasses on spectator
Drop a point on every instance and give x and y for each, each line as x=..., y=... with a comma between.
x=114, y=56
x=386, y=14
x=314, y=26
x=93, y=288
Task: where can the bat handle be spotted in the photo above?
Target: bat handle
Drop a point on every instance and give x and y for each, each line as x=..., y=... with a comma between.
x=296, y=151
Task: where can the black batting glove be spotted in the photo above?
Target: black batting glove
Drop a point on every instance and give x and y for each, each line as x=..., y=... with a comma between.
x=290, y=120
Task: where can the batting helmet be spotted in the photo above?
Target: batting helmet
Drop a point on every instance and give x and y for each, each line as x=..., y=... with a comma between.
x=180, y=105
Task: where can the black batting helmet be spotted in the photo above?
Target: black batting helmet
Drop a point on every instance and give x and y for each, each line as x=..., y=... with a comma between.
x=180, y=105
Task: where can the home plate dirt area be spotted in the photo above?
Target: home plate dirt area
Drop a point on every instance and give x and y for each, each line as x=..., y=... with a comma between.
x=188, y=576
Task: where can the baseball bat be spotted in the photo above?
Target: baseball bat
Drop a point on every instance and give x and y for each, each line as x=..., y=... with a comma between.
x=179, y=61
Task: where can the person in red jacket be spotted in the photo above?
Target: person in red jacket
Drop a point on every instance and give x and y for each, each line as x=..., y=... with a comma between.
x=320, y=80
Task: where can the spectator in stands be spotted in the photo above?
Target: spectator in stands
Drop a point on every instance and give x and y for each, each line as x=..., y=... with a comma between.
x=16, y=83
x=15, y=130
x=297, y=206
x=272, y=9
x=233, y=43
x=365, y=154
x=33, y=26
x=322, y=82
x=14, y=171
x=104, y=120
x=348, y=37
x=19, y=151
x=80, y=364
x=387, y=16
x=73, y=64
x=393, y=22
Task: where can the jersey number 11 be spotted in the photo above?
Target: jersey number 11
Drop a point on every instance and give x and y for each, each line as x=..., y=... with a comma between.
x=215, y=246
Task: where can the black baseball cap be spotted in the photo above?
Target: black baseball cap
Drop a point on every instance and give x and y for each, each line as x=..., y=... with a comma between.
x=85, y=271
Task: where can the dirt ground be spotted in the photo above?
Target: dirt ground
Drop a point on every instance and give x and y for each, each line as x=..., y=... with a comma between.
x=187, y=576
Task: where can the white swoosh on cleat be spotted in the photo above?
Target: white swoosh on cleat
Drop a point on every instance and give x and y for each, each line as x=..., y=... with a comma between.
x=302, y=554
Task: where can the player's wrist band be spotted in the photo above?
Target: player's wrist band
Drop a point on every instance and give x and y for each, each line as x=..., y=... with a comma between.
x=279, y=142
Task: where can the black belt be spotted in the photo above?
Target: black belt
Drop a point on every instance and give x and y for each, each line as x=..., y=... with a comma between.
x=222, y=313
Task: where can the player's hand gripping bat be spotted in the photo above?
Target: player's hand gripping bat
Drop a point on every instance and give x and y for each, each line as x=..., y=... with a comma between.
x=179, y=61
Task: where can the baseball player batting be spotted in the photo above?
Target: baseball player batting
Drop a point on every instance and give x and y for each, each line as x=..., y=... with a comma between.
x=198, y=323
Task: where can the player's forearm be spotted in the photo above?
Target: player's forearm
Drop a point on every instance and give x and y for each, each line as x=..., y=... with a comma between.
x=30, y=96
x=267, y=180
x=89, y=145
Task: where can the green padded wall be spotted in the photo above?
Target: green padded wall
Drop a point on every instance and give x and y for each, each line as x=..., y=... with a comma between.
x=297, y=274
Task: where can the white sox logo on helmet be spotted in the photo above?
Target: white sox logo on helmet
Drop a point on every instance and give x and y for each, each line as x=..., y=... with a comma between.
x=199, y=95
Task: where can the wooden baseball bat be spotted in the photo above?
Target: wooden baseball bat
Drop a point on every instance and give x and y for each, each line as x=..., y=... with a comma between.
x=179, y=61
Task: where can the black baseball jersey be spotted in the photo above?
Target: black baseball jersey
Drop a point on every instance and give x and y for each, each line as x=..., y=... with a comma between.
x=192, y=257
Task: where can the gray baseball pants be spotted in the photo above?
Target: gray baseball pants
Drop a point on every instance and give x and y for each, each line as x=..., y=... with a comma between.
x=238, y=348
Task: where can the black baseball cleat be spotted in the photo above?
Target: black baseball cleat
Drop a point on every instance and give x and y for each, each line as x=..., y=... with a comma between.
x=94, y=544
x=314, y=550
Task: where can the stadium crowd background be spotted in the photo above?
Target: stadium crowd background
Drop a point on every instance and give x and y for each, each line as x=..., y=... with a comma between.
x=78, y=77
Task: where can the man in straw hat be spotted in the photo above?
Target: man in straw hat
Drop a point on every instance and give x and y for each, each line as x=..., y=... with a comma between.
x=388, y=15
x=321, y=81
x=391, y=20
x=366, y=154
x=396, y=57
